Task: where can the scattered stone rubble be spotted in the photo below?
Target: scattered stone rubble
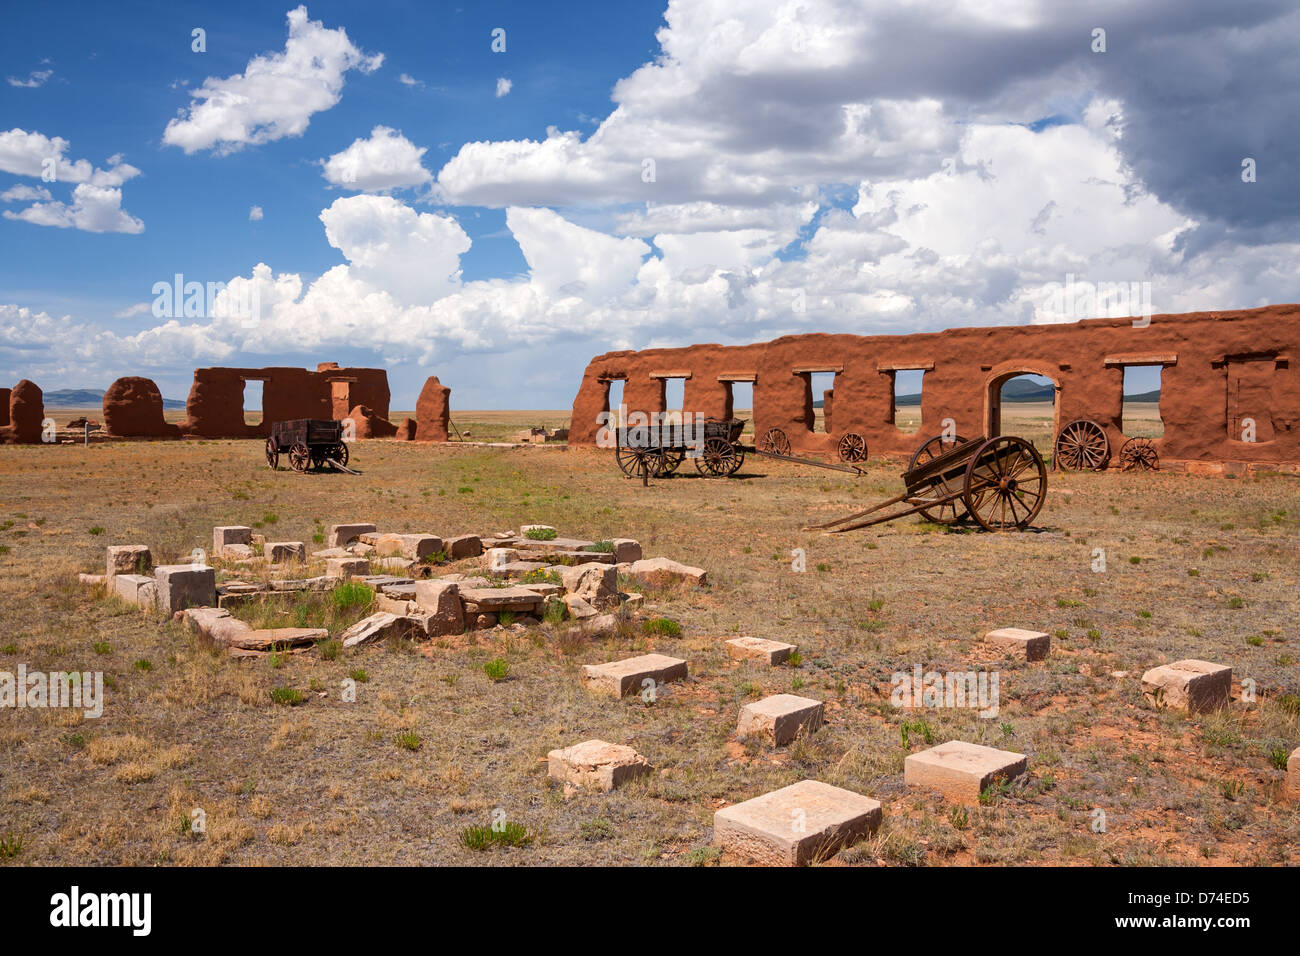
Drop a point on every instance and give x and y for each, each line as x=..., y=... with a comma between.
x=519, y=581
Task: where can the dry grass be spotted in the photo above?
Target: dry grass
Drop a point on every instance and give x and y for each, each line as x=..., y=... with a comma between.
x=327, y=781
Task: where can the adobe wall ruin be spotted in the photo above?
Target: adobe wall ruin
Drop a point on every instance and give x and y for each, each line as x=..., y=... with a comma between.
x=215, y=408
x=1218, y=369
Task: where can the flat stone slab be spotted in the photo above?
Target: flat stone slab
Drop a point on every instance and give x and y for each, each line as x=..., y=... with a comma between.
x=664, y=570
x=780, y=718
x=961, y=770
x=760, y=649
x=806, y=822
x=505, y=599
x=381, y=581
x=620, y=678
x=1028, y=645
x=596, y=765
x=1190, y=685
x=378, y=627
x=553, y=544
x=322, y=583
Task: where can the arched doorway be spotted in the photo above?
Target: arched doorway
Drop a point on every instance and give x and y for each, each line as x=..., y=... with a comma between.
x=1033, y=401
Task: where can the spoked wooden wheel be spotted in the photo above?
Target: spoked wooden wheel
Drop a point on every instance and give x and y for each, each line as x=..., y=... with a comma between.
x=671, y=461
x=952, y=511
x=639, y=462
x=341, y=453
x=1006, y=484
x=719, y=458
x=300, y=457
x=852, y=447
x=1081, y=446
x=272, y=454
x=775, y=441
x=1139, y=454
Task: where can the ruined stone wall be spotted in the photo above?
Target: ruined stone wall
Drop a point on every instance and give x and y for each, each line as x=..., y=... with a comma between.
x=215, y=408
x=26, y=411
x=1218, y=368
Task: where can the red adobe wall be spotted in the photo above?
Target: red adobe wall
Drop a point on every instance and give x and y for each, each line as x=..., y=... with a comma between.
x=1218, y=367
x=215, y=408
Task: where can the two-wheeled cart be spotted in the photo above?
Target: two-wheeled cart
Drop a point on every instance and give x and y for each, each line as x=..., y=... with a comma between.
x=999, y=483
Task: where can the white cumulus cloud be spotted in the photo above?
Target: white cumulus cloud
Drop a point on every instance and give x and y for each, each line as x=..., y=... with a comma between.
x=276, y=95
x=386, y=160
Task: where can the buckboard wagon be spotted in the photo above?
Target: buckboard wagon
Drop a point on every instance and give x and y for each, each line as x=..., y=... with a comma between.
x=999, y=483
x=310, y=443
x=656, y=452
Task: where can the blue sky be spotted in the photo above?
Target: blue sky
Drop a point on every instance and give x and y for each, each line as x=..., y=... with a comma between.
x=112, y=92
x=903, y=171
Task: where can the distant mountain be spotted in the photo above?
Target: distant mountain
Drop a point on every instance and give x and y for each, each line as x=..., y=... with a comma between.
x=91, y=398
x=1023, y=390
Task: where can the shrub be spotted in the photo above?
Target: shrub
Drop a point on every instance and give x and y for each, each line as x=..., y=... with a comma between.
x=497, y=669
x=10, y=846
x=486, y=837
x=97, y=530
x=408, y=740
x=601, y=547
x=544, y=534
x=661, y=626
x=330, y=649
x=352, y=594
x=287, y=696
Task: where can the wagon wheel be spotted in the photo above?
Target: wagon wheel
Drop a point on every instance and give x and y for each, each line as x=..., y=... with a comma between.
x=639, y=462
x=1139, y=453
x=672, y=460
x=272, y=454
x=952, y=511
x=719, y=459
x=1081, y=445
x=774, y=441
x=853, y=447
x=1006, y=484
x=341, y=453
x=299, y=457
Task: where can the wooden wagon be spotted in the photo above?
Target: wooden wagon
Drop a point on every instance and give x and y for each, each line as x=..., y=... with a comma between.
x=720, y=455
x=310, y=443
x=999, y=483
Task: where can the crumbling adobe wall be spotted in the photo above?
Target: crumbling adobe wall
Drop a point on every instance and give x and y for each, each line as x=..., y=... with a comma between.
x=215, y=408
x=1218, y=368
x=26, y=410
x=432, y=411
x=133, y=408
